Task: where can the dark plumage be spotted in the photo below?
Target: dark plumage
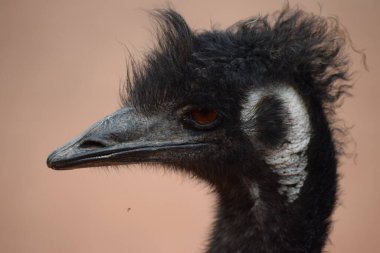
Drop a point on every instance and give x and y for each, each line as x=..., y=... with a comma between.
x=248, y=109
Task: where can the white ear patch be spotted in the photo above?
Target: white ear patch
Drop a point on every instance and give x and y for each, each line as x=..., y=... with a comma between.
x=289, y=159
x=249, y=107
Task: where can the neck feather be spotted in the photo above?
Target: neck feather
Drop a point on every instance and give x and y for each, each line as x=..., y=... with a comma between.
x=256, y=218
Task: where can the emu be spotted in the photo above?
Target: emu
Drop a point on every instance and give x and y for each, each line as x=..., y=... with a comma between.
x=250, y=110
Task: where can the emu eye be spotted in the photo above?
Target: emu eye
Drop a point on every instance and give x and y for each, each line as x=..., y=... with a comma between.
x=204, y=116
x=201, y=118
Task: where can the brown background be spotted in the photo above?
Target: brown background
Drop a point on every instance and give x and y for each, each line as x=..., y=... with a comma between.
x=61, y=63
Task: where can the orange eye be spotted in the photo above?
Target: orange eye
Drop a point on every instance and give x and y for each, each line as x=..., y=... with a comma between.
x=204, y=116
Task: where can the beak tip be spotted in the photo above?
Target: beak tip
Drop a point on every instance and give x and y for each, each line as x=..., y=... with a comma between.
x=52, y=160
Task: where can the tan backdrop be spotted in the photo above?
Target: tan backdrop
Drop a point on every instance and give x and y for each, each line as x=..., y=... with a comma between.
x=61, y=63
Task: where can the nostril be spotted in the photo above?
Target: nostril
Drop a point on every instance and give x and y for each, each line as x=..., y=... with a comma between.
x=92, y=144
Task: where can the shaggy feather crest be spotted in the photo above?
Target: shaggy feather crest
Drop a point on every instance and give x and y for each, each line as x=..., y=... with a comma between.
x=292, y=46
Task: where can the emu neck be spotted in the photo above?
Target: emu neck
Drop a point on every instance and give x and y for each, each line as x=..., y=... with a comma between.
x=259, y=219
x=283, y=202
x=248, y=225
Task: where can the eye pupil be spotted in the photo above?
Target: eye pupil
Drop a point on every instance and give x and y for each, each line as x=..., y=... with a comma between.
x=204, y=116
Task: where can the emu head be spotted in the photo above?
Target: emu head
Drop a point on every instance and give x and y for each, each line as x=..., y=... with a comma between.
x=242, y=105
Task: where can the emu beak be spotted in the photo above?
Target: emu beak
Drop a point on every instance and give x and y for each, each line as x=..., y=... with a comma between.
x=124, y=137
